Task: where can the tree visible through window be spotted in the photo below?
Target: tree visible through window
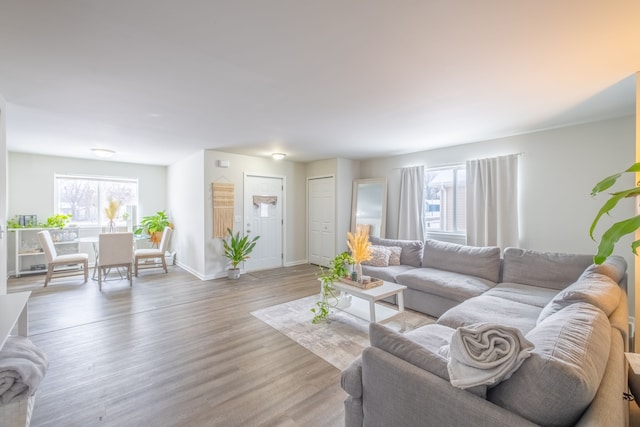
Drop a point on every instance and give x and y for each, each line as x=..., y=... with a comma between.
x=86, y=197
x=445, y=199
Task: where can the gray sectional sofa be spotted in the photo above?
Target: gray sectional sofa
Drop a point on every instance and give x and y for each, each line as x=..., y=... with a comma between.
x=573, y=312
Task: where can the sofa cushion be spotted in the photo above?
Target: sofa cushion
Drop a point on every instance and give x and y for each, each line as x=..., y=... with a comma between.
x=593, y=288
x=385, y=273
x=394, y=254
x=455, y=286
x=614, y=266
x=481, y=262
x=547, y=269
x=526, y=294
x=561, y=377
x=379, y=256
x=491, y=309
x=411, y=249
x=420, y=347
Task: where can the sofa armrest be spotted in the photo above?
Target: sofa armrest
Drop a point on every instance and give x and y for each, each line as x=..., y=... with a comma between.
x=396, y=392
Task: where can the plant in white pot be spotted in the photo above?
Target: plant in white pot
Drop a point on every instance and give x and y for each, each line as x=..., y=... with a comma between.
x=237, y=250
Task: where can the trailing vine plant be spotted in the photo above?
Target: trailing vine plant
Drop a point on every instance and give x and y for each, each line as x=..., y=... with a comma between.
x=338, y=267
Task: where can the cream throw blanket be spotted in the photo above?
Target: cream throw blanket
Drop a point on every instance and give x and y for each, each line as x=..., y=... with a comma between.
x=485, y=354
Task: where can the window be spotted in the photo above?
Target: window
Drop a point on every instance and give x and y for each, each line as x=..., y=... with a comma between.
x=86, y=197
x=445, y=205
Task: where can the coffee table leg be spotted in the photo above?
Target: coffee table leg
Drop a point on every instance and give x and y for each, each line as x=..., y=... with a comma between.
x=401, y=310
x=372, y=311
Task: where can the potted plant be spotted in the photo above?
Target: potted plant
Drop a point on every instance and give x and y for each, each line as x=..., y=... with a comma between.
x=338, y=267
x=153, y=226
x=57, y=221
x=236, y=250
x=627, y=226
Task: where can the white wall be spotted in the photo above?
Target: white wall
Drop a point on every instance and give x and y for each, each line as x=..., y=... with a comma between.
x=186, y=198
x=31, y=183
x=3, y=196
x=215, y=265
x=557, y=170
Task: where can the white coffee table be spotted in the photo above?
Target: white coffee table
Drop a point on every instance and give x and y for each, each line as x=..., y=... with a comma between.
x=365, y=302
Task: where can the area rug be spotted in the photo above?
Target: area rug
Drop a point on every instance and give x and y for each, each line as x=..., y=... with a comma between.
x=339, y=339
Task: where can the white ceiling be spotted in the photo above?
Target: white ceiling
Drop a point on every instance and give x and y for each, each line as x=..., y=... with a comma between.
x=159, y=80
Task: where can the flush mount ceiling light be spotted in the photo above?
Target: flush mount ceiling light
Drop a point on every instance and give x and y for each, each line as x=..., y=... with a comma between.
x=278, y=156
x=102, y=152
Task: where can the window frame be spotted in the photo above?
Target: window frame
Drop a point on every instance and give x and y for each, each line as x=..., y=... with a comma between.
x=455, y=168
x=98, y=179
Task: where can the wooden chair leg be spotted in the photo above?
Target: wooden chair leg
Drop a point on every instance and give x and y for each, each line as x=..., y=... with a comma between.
x=136, y=265
x=49, y=275
x=86, y=271
x=129, y=273
x=100, y=279
x=164, y=264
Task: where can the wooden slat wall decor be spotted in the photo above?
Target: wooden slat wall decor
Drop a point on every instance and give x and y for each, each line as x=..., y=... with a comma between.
x=223, y=202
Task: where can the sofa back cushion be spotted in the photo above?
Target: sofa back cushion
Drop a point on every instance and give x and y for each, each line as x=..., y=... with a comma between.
x=547, y=269
x=593, y=288
x=483, y=262
x=411, y=253
x=561, y=377
x=614, y=266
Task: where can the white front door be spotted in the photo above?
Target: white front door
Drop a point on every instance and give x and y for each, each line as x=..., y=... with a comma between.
x=263, y=217
x=322, y=214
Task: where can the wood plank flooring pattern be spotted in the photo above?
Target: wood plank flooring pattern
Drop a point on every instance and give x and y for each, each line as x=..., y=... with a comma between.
x=176, y=351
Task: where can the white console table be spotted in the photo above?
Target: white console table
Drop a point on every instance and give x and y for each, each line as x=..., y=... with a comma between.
x=13, y=309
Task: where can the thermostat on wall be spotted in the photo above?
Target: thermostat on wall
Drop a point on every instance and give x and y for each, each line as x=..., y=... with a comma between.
x=224, y=163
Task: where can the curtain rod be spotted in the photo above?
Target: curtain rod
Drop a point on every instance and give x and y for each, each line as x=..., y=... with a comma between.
x=446, y=165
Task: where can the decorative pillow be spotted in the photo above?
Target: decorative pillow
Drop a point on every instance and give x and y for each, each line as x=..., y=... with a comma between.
x=379, y=256
x=411, y=249
x=394, y=254
x=593, y=288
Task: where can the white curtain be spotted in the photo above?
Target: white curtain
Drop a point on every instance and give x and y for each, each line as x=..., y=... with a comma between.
x=492, y=202
x=411, y=204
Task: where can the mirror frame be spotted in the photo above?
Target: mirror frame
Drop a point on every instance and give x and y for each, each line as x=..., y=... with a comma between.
x=383, y=202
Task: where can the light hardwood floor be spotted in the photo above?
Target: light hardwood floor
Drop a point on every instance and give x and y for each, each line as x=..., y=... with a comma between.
x=176, y=351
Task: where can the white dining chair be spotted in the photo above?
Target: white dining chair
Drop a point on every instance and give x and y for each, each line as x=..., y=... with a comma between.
x=115, y=250
x=144, y=254
x=54, y=260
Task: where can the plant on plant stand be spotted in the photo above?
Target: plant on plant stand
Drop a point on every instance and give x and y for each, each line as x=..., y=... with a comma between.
x=57, y=221
x=153, y=226
x=338, y=267
x=621, y=228
x=237, y=250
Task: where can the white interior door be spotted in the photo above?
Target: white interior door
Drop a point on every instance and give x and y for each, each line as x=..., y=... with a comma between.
x=322, y=220
x=263, y=217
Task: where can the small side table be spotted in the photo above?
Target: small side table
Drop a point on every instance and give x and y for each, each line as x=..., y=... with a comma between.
x=633, y=359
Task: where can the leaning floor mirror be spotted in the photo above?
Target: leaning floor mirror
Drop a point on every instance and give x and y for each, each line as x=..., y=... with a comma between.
x=369, y=206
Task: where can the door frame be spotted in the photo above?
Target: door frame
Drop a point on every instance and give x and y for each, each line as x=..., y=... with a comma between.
x=245, y=175
x=308, y=223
